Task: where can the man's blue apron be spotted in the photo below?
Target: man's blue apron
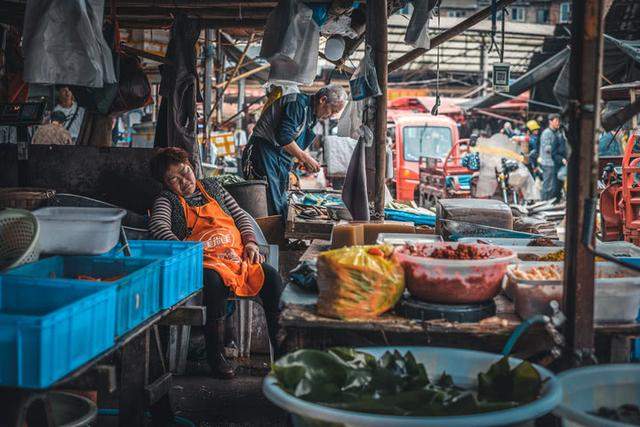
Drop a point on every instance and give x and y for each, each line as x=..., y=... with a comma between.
x=265, y=159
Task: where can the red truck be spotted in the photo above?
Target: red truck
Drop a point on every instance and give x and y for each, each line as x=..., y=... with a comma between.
x=416, y=136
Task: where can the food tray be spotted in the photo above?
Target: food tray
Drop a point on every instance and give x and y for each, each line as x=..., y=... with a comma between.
x=402, y=238
x=49, y=328
x=454, y=281
x=504, y=241
x=534, y=251
x=616, y=299
x=180, y=266
x=137, y=291
x=78, y=231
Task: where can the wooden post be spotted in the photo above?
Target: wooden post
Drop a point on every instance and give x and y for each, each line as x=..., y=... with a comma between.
x=583, y=120
x=220, y=77
x=376, y=37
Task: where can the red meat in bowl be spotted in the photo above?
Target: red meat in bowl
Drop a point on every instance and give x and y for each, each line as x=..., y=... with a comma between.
x=454, y=273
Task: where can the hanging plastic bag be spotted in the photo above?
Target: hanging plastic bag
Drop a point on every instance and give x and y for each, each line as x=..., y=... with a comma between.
x=364, y=82
x=358, y=282
x=132, y=90
x=417, y=34
x=339, y=25
x=351, y=119
x=290, y=43
x=63, y=43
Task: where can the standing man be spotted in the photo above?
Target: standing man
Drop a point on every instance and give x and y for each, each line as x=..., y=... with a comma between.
x=551, y=158
x=74, y=114
x=283, y=132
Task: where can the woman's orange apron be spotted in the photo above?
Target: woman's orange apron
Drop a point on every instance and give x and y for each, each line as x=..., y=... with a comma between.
x=222, y=245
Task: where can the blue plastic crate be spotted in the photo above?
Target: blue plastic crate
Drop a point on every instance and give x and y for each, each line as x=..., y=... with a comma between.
x=49, y=328
x=138, y=290
x=181, y=266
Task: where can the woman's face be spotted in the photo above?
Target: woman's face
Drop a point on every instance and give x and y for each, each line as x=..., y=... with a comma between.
x=179, y=178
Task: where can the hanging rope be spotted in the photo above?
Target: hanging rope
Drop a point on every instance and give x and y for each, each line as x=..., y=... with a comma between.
x=504, y=12
x=436, y=104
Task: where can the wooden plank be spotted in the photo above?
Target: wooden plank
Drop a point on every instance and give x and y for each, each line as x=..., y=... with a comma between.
x=188, y=315
x=158, y=389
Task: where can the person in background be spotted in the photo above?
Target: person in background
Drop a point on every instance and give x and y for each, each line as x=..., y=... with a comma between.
x=608, y=145
x=74, y=114
x=53, y=133
x=203, y=211
x=282, y=134
x=507, y=129
x=551, y=158
x=533, y=130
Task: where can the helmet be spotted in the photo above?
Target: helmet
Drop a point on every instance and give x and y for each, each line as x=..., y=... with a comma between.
x=533, y=125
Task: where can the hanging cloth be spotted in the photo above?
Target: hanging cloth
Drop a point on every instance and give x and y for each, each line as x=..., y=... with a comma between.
x=177, y=117
x=223, y=247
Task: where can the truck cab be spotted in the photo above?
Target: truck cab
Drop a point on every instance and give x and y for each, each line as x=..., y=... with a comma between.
x=416, y=136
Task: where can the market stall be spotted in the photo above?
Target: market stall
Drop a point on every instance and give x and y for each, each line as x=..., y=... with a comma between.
x=305, y=328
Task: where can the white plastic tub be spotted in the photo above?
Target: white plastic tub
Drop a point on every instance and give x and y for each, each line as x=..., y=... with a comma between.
x=78, y=231
x=617, y=299
x=402, y=238
x=504, y=241
x=462, y=365
x=455, y=281
x=588, y=389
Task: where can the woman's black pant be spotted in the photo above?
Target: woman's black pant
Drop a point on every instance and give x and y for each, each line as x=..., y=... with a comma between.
x=216, y=292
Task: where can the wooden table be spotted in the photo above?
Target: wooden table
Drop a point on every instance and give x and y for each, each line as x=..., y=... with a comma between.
x=135, y=366
x=304, y=328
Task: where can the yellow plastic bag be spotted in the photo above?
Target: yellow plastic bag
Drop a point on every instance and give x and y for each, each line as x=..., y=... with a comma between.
x=358, y=282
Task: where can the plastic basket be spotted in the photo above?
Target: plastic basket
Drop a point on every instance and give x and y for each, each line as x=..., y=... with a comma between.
x=138, y=290
x=19, y=234
x=181, y=266
x=49, y=328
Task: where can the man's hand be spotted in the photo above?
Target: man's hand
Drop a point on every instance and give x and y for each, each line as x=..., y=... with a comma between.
x=252, y=254
x=311, y=164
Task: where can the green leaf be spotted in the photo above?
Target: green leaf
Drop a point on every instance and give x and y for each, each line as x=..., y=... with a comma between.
x=526, y=383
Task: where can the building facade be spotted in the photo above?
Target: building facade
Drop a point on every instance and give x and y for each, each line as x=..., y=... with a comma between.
x=527, y=11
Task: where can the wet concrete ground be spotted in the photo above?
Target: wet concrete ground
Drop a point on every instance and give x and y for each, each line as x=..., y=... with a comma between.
x=207, y=401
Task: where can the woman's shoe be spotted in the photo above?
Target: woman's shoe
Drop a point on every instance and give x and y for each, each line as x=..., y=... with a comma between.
x=220, y=366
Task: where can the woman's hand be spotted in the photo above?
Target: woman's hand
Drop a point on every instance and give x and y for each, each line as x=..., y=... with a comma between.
x=252, y=253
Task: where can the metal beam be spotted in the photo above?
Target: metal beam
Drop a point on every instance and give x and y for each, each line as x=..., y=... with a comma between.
x=584, y=120
x=447, y=35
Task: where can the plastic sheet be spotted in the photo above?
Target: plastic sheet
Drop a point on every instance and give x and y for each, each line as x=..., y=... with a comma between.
x=290, y=43
x=339, y=25
x=351, y=120
x=417, y=34
x=63, y=43
x=358, y=282
x=337, y=154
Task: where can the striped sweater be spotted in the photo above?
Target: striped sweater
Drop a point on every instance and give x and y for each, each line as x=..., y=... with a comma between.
x=168, y=221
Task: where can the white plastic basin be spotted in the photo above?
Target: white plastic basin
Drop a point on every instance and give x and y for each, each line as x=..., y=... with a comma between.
x=78, y=231
x=588, y=389
x=462, y=365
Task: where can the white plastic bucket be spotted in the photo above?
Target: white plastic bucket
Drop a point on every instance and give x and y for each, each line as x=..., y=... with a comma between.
x=588, y=389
